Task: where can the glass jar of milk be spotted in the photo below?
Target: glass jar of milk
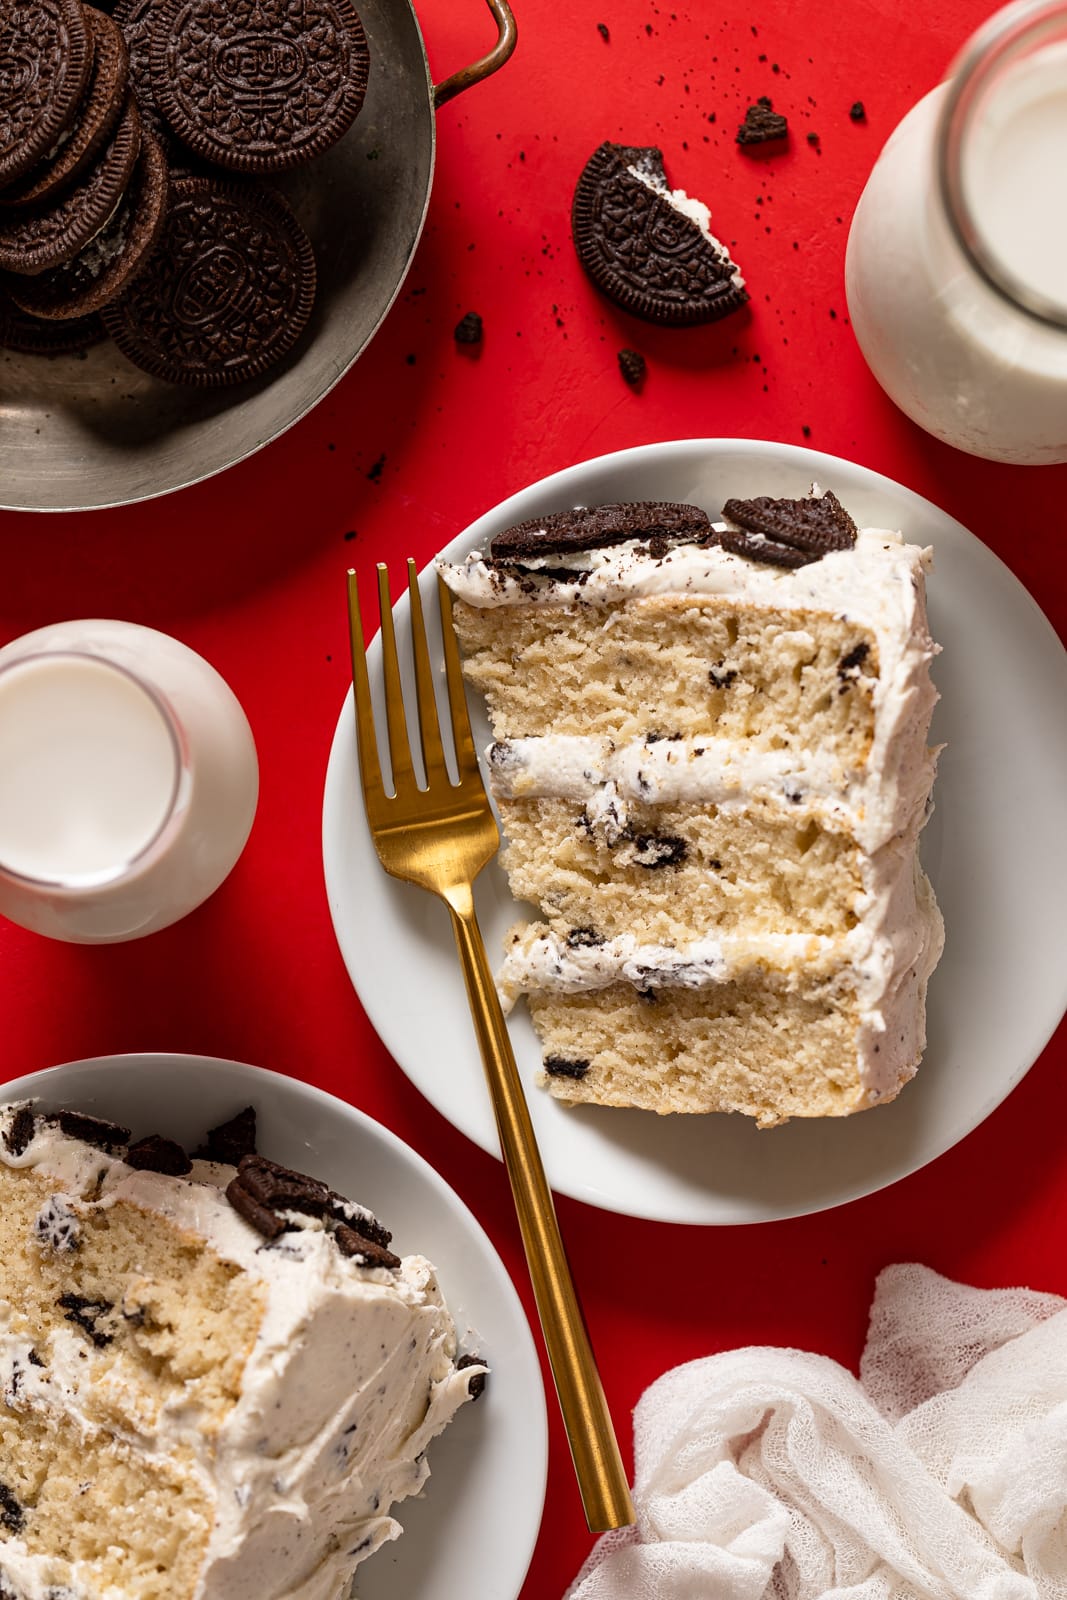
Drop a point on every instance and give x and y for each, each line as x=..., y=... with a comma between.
x=956, y=269
x=128, y=780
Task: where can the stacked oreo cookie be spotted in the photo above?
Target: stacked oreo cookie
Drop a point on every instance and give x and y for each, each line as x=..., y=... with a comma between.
x=129, y=148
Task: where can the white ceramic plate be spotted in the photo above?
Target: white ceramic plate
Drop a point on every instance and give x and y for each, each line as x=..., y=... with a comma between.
x=995, y=848
x=477, y=1520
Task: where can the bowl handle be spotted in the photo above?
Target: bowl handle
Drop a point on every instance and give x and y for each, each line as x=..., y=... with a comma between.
x=506, y=37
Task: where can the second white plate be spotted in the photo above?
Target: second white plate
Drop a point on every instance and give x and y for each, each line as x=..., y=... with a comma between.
x=995, y=849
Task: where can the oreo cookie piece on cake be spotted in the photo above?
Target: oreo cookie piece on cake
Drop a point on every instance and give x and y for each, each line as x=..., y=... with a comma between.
x=258, y=85
x=649, y=247
x=226, y=294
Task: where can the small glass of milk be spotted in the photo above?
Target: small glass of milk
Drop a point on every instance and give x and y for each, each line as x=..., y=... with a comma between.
x=128, y=780
x=956, y=269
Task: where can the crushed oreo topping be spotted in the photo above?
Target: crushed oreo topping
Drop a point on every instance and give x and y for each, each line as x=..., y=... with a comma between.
x=20, y=1131
x=55, y=1227
x=263, y=1192
x=476, y=1385
x=12, y=1514
x=107, y=1136
x=86, y=1314
x=156, y=1154
x=597, y=527
x=560, y=1067
x=762, y=124
x=364, y=1251
x=231, y=1140
x=788, y=533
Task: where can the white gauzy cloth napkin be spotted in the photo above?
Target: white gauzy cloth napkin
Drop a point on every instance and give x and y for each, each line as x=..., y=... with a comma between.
x=766, y=1474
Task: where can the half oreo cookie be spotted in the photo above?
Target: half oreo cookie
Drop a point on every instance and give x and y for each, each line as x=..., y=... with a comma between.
x=647, y=247
x=258, y=85
x=563, y=533
x=228, y=291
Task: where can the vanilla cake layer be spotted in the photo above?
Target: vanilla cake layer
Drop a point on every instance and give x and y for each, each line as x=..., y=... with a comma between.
x=679, y=871
x=702, y=663
x=711, y=775
x=190, y=1410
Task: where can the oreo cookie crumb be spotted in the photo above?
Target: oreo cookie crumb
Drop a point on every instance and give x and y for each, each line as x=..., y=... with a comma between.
x=476, y=1385
x=12, y=1515
x=375, y=473
x=583, y=938
x=156, y=1154
x=20, y=1131
x=231, y=1140
x=762, y=124
x=560, y=1067
x=858, y=111
x=55, y=1227
x=655, y=850
x=602, y=29
x=365, y=1252
x=722, y=677
x=851, y=664
x=633, y=367
x=468, y=329
x=85, y=1314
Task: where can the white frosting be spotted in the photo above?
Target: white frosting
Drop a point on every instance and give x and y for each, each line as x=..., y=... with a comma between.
x=879, y=585
x=307, y=1464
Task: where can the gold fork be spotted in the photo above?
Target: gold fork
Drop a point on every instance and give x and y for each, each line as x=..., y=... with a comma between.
x=440, y=837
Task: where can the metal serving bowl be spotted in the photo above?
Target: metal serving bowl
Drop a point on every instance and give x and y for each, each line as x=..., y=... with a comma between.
x=83, y=432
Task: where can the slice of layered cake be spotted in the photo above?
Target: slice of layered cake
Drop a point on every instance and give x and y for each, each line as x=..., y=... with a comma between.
x=215, y=1377
x=711, y=768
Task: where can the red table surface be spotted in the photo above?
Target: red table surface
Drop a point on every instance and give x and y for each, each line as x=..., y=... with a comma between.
x=419, y=439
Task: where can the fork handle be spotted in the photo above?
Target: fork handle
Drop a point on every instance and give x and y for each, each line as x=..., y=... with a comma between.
x=602, y=1479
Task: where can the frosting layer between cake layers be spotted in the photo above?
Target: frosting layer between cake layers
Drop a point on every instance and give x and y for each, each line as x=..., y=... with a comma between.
x=260, y=1404
x=782, y=707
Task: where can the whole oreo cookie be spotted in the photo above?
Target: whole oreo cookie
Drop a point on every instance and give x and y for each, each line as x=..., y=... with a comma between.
x=661, y=523
x=97, y=115
x=106, y=266
x=36, y=238
x=46, y=54
x=641, y=250
x=227, y=292
x=258, y=85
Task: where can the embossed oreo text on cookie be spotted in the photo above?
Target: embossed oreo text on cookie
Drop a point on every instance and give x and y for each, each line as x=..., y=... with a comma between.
x=258, y=85
x=227, y=292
